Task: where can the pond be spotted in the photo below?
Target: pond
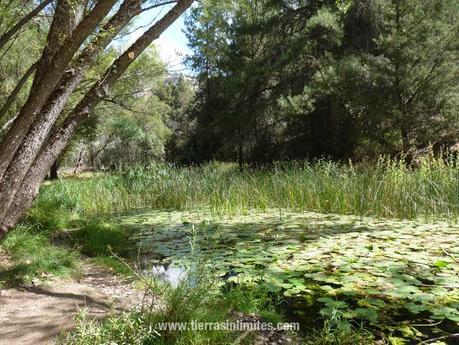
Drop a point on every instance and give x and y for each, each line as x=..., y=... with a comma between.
x=400, y=277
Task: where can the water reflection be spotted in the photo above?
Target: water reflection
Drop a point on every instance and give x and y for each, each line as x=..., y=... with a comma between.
x=170, y=274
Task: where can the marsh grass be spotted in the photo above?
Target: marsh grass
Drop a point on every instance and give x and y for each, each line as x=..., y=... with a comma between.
x=101, y=238
x=83, y=206
x=386, y=189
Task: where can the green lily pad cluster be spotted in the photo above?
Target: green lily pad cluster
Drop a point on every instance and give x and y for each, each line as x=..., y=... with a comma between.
x=391, y=274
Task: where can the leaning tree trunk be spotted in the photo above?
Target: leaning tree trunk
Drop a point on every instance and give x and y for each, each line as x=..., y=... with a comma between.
x=28, y=150
x=46, y=81
x=47, y=149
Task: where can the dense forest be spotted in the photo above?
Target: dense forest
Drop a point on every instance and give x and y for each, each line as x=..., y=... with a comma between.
x=281, y=80
x=271, y=81
x=298, y=170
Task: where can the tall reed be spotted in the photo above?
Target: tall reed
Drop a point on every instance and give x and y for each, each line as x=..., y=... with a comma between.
x=385, y=189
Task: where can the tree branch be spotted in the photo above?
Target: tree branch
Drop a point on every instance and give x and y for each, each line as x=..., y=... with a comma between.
x=10, y=33
x=16, y=90
x=159, y=5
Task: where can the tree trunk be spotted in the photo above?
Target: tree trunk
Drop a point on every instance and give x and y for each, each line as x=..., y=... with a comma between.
x=45, y=82
x=28, y=150
x=59, y=137
x=405, y=140
x=78, y=164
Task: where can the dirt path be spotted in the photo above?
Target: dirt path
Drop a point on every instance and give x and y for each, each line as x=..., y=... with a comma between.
x=36, y=314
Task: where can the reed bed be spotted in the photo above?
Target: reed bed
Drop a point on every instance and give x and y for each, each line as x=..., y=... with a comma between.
x=386, y=189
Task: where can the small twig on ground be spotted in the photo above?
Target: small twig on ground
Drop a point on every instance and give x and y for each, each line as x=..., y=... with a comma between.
x=151, y=285
x=125, y=264
x=450, y=255
x=428, y=324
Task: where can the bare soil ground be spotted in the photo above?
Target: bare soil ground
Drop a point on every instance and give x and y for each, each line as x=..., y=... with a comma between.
x=37, y=313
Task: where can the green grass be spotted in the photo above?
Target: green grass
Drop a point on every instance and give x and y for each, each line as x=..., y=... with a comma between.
x=386, y=189
x=32, y=255
x=101, y=238
x=345, y=335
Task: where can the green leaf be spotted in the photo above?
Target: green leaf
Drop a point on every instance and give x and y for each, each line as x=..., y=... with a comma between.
x=366, y=313
x=397, y=341
x=329, y=302
x=415, y=308
x=372, y=302
x=441, y=263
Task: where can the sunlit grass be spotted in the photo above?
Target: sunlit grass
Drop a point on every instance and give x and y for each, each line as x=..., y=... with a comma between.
x=32, y=255
x=385, y=189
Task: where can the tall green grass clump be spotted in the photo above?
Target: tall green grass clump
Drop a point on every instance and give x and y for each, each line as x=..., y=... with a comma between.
x=385, y=189
x=32, y=255
x=101, y=238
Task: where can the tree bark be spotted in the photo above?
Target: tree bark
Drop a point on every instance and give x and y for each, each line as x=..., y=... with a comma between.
x=79, y=163
x=40, y=129
x=60, y=135
x=45, y=84
x=66, y=18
